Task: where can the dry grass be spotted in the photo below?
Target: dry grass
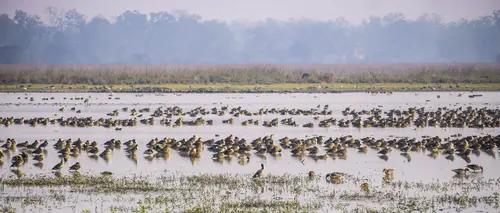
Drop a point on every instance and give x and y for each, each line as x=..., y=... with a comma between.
x=249, y=74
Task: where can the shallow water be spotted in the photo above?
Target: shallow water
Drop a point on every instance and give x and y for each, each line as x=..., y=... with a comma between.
x=363, y=165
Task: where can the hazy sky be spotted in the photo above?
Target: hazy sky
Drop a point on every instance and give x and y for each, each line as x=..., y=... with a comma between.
x=253, y=10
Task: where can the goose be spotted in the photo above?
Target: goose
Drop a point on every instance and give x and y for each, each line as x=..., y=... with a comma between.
x=260, y=172
x=475, y=167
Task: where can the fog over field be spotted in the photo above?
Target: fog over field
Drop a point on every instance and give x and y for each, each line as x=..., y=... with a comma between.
x=248, y=32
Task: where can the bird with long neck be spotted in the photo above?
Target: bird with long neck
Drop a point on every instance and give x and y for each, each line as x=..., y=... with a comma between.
x=260, y=172
x=60, y=165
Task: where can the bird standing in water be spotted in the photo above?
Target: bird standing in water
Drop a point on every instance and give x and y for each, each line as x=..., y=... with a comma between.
x=388, y=171
x=60, y=165
x=364, y=186
x=461, y=171
x=260, y=172
x=75, y=167
x=312, y=174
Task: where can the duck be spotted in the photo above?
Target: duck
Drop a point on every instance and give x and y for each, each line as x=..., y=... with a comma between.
x=17, y=162
x=385, y=151
x=388, y=171
x=24, y=155
x=312, y=174
x=341, y=152
x=148, y=152
x=60, y=165
x=75, y=167
x=475, y=167
x=313, y=150
x=38, y=164
x=37, y=151
x=320, y=157
x=363, y=149
x=133, y=150
x=260, y=172
x=38, y=158
x=106, y=173
x=364, y=186
x=94, y=150
x=24, y=144
x=334, y=175
x=105, y=153
x=461, y=171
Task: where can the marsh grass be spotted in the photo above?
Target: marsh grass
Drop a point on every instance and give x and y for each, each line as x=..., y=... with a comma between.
x=7, y=209
x=82, y=182
x=215, y=179
x=254, y=77
x=176, y=192
x=275, y=206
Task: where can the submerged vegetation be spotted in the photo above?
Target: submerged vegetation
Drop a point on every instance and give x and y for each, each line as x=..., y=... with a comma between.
x=275, y=193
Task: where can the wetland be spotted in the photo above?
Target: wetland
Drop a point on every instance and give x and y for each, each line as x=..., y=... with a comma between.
x=179, y=152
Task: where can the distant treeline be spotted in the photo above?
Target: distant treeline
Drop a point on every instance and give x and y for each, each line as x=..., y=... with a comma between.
x=68, y=37
x=250, y=74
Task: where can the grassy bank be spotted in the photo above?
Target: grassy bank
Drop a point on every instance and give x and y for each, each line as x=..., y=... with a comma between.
x=215, y=88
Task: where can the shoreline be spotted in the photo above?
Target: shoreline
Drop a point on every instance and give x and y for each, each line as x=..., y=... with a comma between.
x=228, y=88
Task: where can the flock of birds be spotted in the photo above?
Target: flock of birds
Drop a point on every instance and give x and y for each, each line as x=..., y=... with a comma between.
x=443, y=117
x=317, y=147
x=226, y=148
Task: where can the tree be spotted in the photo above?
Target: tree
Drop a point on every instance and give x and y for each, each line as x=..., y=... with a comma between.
x=10, y=55
x=182, y=38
